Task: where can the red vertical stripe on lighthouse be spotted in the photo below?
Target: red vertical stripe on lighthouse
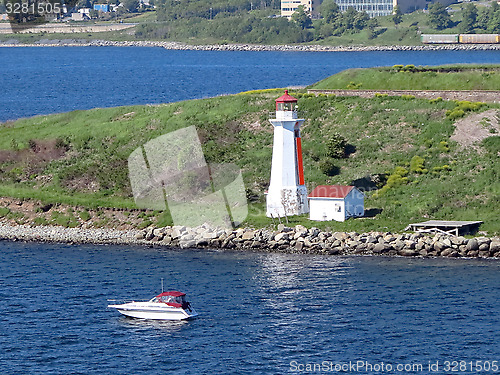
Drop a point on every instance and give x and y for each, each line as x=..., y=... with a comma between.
x=299, y=161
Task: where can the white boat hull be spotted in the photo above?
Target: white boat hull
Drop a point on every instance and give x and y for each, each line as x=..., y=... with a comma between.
x=155, y=311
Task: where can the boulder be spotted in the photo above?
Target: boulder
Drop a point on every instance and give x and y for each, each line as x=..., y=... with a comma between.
x=299, y=245
x=446, y=252
x=399, y=244
x=458, y=240
x=380, y=248
x=472, y=244
x=248, y=235
x=408, y=252
x=281, y=236
x=439, y=246
x=495, y=246
x=484, y=247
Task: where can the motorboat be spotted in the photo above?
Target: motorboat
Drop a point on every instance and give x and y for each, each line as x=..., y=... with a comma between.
x=171, y=305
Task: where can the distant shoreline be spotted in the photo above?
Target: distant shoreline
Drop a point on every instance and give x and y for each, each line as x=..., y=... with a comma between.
x=250, y=47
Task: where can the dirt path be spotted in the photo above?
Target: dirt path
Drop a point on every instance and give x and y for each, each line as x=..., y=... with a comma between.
x=474, y=128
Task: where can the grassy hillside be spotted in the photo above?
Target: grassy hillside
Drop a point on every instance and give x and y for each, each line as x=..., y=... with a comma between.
x=400, y=147
x=399, y=77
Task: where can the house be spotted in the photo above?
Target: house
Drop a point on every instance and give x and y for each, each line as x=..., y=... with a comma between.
x=288, y=7
x=80, y=16
x=335, y=202
x=102, y=8
x=374, y=8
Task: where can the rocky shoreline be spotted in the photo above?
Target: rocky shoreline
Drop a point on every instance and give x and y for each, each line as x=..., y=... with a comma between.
x=246, y=47
x=296, y=240
x=59, y=234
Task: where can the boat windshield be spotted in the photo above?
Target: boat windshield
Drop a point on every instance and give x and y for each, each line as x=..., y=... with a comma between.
x=169, y=299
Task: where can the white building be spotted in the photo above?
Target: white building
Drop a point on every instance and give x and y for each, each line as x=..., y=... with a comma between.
x=288, y=7
x=335, y=202
x=287, y=193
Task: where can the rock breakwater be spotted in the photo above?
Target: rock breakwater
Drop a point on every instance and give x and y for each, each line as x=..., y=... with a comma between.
x=245, y=47
x=297, y=240
x=302, y=240
x=69, y=235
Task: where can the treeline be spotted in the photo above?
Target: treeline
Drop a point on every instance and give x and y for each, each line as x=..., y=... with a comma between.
x=337, y=23
x=232, y=22
x=255, y=21
x=170, y=10
x=242, y=29
x=474, y=19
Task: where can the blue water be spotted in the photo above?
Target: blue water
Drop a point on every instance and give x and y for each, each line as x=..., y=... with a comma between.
x=48, y=80
x=258, y=312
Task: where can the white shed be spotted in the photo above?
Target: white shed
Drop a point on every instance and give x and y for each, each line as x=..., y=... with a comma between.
x=335, y=202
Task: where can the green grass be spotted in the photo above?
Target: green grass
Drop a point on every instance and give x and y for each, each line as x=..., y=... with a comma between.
x=386, y=133
x=484, y=77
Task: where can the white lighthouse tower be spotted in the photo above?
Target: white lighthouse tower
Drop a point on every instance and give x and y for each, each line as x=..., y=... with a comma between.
x=287, y=193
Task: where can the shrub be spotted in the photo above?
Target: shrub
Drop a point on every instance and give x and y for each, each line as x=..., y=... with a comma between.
x=84, y=215
x=455, y=113
x=410, y=68
x=443, y=146
x=437, y=100
x=408, y=97
x=40, y=221
x=4, y=211
x=144, y=224
x=396, y=178
x=328, y=167
x=462, y=107
x=67, y=221
x=353, y=85
x=336, y=146
x=379, y=95
x=438, y=169
x=417, y=164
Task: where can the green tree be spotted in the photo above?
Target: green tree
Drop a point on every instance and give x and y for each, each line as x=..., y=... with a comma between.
x=349, y=18
x=336, y=146
x=469, y=18
x=330, y=11
x=361, y=20
x=397, y=16
x=483, y=18
x=301, y=18
x=130, y=6
x=494, y=21
x=333, y=18
x=438, y=17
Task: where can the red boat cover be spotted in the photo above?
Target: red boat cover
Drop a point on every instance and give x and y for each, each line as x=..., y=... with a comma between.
x=172, y=293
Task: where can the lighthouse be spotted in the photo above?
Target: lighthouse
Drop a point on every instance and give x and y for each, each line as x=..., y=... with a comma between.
x=287, y=194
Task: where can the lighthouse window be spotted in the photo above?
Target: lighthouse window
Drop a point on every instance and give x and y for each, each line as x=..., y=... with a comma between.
x=285, y=107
